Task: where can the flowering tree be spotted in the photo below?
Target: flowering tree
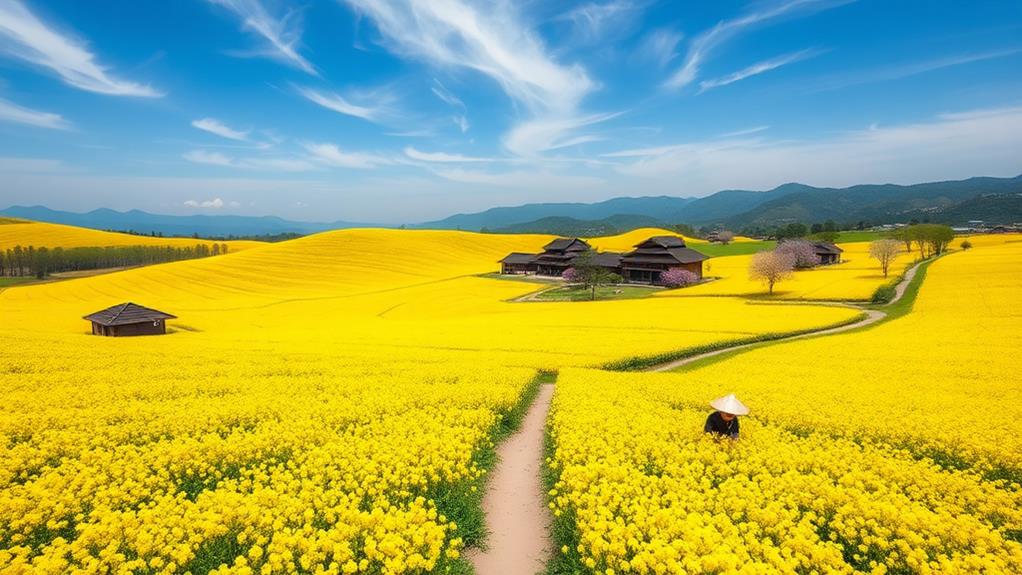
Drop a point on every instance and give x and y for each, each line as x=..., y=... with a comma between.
x=569, y=275
x=677, y=277
x=884, y=251
x=725, y=237
x=802, y=253
x=771, y=267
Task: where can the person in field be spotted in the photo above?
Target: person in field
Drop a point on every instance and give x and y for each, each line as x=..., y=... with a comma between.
x=724, y=421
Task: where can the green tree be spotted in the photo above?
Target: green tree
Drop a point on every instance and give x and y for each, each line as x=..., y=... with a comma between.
x=590, y=274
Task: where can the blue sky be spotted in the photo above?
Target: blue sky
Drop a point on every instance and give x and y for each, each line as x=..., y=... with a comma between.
x=406, y=110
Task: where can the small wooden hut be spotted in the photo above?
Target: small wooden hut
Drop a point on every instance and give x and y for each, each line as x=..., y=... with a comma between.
x=827, y=252
x=129, y=319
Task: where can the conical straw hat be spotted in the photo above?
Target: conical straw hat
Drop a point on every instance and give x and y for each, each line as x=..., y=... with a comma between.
x=729, y=404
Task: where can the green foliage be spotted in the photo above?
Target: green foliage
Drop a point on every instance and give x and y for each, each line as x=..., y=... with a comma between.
x=883, y=294
x=590, y=275
x=641, y=363
x=42, y=261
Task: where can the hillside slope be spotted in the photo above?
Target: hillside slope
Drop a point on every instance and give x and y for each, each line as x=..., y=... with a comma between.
x=41, y=234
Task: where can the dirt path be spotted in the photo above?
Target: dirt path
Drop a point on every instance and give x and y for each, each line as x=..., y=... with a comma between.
x=872, y=316
x=518, y=518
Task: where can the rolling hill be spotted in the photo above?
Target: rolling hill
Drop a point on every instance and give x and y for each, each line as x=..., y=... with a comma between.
x=203, y=225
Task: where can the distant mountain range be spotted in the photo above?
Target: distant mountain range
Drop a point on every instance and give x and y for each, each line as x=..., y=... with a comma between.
x=737, y=209
x=205, y=226
x=994, y=200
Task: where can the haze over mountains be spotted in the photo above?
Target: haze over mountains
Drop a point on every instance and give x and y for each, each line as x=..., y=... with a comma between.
x=995, y=200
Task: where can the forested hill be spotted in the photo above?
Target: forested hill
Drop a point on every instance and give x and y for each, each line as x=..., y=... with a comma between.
x=738, y=209
x=201, y=225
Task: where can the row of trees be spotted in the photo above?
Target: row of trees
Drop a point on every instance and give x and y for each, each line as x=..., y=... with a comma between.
x=777, y=265
x=41, y=261
x=928, y=239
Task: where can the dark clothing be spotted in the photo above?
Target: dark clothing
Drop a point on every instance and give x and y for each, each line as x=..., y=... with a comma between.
x=716, y=424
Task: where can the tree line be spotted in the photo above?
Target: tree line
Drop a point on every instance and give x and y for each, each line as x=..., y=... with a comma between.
x=41, y=261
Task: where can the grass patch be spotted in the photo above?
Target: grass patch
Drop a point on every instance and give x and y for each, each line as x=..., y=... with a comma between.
x=563, y=528
x=578, y=293
x=640, y=363
x=853, y=236
x=8, y=282
x=733, y=249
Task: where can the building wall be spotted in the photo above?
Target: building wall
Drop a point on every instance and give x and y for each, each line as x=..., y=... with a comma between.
x=144, y=328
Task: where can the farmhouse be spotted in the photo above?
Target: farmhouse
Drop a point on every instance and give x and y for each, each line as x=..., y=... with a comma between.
x=657, y=255
x=642, y=265
x=128, y=319
x=558, y=255
x=827, y=252
x=517, y=263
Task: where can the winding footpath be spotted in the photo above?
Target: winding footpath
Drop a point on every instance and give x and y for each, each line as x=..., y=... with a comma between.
x=872, y=316
x=515, y=500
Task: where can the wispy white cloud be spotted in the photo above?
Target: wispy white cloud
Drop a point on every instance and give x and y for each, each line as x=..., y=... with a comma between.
x=378, y=111
x=487, y=37
x=494, y=40
x=283, y=33
x=331, y=155
x=441, y=157
x=544, y=134
x=531, y=179
x=445, y=95
x=11, y=112
x=215, y=203
x=759, y=68
x=26, y=37
x=950, y=146
x=215, y=126
x=897, y=72
x=206, y=157
x=659, y=46
x=703, y=45
x=265, y=163
x=594, y=21
x=745, y=132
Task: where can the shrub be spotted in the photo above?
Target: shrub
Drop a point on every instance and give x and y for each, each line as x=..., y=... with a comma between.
x=677, y=277
x=569, y=275
x=966, y=244
x=884, y=294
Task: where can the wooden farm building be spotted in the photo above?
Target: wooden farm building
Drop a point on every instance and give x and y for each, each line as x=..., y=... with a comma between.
x=642, y=265
x=657, y=255
x=827, y=252
x=129, y=319
x=518, y=263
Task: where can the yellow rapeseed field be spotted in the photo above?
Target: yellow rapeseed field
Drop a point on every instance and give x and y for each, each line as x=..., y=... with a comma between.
x=855, y=278
x=888, y=450
x=325, y=405
x=41, y=234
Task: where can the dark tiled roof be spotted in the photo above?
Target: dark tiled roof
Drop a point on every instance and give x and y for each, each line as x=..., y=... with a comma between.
x=662, y=256
x=518, y=258
x=662, y=242
x=127, y=313
x=826, y=248
x=607, y=259
x=561, y=244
